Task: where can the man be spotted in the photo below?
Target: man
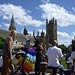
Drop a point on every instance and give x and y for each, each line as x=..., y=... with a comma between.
x=1, y=63
x=54, y=54
x=7, y=53
x=38, y=50
x=72, y=56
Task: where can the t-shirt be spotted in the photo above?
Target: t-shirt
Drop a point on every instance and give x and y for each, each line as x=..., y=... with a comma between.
x=1, y=61
x=72, y=56
x=54, y=54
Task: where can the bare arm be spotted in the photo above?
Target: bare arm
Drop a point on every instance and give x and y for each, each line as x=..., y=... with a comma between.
x=41, y=47
x=9, y=42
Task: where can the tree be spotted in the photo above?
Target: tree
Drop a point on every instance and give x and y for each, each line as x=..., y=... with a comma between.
x=63, y=47
x=1, y=42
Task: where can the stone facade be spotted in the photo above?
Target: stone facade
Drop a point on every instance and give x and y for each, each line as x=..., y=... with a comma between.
x=12, y=26
x=20, y=39
x=51, y=31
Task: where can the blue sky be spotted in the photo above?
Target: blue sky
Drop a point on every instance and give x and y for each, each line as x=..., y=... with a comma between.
x=33, y=13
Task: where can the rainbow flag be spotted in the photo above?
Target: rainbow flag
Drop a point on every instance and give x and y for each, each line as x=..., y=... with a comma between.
x=29, y=60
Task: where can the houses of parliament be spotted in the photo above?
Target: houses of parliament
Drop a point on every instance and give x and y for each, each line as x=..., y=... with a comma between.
x=51, y=33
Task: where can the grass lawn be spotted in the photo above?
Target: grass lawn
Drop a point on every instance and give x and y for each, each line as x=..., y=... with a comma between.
x=63, y=62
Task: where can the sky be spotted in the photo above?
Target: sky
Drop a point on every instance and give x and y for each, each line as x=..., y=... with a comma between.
x=32, y=14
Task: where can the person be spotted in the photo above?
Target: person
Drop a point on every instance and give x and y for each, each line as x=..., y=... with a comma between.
x=1, y=63
x=72, y=56
x=68, y=54
x=54, y=55
x=71, y=59
x=7, y=52
x=38, y=50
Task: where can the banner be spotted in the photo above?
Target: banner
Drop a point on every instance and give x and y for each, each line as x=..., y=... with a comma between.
x=29, y=63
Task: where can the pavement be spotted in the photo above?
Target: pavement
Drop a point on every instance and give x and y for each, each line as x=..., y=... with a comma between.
x=33, y=73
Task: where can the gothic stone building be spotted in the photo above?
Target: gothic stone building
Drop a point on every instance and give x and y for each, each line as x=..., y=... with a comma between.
x=51, y=31
x=21, y=38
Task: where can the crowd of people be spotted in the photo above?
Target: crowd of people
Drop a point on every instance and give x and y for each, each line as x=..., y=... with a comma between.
x=53, y=55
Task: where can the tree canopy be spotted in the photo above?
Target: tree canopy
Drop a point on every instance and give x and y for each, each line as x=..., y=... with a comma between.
x=64, y=48
x=1, y=42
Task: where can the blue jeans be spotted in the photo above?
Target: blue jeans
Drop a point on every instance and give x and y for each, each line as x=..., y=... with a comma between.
x=54, y=69
x=60, y=67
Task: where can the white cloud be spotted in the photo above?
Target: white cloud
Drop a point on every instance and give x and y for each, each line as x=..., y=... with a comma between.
x=73, y=35
x=6, y=25
x=63, y=16
x=63, y=34
x=5, y=17
x=21, y=15
x=0, y=25
x=64, y=38
x=73, y=8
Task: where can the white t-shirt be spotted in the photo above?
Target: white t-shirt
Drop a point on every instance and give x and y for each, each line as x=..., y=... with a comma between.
x=54, y=54
x=1, y=61
x=72, y=57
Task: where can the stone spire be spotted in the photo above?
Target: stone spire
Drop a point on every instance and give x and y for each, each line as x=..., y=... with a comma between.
x=12, y=26
x=38, y=34
x=33, y=33
x=25, y=32
x=42, y=34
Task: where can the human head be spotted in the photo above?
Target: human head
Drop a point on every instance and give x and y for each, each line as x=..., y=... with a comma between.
x=38, y=42
x=54, y=43
x=17, y=56
x=13, y=34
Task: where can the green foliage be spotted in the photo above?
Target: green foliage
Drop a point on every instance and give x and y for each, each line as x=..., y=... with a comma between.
x=64, y=63
x=1, y=42
x=63, y=47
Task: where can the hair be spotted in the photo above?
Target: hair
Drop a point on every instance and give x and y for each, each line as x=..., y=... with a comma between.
x=13, y=31
x=37, y=42
x=17, y=56
x=54, y=42
x=13, y=34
